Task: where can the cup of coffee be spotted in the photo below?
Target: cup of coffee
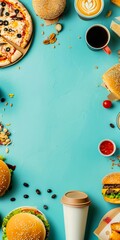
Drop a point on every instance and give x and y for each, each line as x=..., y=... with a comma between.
x=97, y=37
x=75, y=207
x=88, y=9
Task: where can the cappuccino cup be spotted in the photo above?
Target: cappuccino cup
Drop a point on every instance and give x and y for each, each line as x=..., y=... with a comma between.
x=97, y=37
x=88, y=9
x=75, y=207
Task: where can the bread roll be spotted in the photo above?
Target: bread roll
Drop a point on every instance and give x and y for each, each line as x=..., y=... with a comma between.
x=49, y=9
x=112, y=80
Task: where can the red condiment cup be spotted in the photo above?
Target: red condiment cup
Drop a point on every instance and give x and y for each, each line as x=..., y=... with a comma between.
x=107, y=147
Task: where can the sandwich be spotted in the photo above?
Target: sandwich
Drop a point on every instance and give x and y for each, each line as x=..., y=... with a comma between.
x=111, y=188
x=111, y=80
x=116, y=2
x=25, y=223
x=115, y=26
x=115, y=231
x=5, y=176
x=49, y=9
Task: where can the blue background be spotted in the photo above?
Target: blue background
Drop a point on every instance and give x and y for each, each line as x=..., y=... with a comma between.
x=57, y=119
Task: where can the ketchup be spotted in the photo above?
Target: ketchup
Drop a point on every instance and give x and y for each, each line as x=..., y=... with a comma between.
x=106, y=147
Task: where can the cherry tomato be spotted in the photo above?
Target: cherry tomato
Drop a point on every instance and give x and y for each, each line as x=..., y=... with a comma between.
x=107, y=104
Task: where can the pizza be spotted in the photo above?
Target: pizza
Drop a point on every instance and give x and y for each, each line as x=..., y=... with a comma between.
x=8, y=53
x=15, y=26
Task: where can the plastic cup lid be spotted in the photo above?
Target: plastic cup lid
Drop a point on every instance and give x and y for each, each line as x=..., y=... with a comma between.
x=76, y=198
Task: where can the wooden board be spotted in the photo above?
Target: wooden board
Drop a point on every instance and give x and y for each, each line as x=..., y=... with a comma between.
x=22, y=50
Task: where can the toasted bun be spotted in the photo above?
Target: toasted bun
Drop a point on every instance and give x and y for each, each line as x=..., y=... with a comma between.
x=112, y=200
x=5, y=178
x=114, y=236
x=49, y=9
x=112, y=80
x=24, y=226
x=112, y=178
x=116, y=226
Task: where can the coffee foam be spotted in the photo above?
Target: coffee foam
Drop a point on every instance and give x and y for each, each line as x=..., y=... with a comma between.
x=89, y=7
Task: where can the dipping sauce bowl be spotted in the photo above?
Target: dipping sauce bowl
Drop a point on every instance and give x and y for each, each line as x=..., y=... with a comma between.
x=107, y=147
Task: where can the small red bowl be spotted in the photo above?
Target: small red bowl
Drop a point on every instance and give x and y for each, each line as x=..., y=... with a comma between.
x=107, y=147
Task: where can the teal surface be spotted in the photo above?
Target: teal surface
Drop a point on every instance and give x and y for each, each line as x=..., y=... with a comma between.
x=57, y=119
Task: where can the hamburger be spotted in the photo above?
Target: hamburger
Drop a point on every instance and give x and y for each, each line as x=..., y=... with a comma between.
x=25, y=223
x=5, y=176
x=111, y=80
x=111, y=188
x=115, y=231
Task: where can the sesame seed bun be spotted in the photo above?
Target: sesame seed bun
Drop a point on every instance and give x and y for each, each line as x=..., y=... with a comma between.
x=112, y=189
x=112, y=178
x=5, y=178
x=24, y=226
x=49, y=9
x=25, y=223
x=112, y=80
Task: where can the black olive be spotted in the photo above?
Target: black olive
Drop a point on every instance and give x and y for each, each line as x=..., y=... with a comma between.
x=7, y=14
x=5, y=29
x=19, y=35
x=1, y=12
x=16, y=11
x=1, y=22
x=7, y=49
x=10, y=30
x=3, y=4
x=6, y=23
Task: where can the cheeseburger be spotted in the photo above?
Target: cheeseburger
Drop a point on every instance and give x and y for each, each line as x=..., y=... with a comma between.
x=111, y=79
x=111, y=188
x=5, y=177
x=25, y=223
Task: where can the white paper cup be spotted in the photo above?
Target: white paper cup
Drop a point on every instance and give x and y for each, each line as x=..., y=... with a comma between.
x=75, y=207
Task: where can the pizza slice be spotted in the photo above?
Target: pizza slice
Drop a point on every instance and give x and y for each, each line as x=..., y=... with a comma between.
x=8, y=53
x=15, y=22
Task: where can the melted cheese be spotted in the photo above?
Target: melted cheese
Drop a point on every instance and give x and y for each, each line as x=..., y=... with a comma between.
x=105, y=189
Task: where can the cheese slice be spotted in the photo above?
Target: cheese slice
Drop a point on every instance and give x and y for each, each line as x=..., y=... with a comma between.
x=105, y=189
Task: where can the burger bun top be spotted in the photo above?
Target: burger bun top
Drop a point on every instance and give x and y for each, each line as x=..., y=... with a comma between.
x=5, y=178
x=24, y=226
x=112, y=178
